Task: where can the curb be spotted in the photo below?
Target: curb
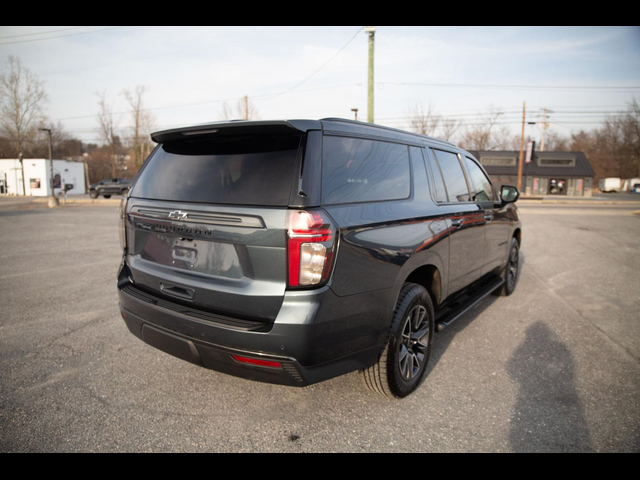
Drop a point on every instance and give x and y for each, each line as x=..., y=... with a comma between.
x=523, y=201
x=83, y=201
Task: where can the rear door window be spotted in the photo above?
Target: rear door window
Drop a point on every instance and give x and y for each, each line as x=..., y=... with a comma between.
x=481, y=185
x=453, y=175
x=359, y=170
x=436, y=175
x=236, y=170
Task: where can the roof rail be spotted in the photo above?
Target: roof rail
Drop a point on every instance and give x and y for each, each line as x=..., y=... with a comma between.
x=373, y=125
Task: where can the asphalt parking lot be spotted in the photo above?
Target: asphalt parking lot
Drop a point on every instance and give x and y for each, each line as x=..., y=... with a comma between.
x=555, y=367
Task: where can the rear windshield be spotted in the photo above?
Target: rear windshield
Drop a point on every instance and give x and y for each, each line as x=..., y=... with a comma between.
x=238, y=170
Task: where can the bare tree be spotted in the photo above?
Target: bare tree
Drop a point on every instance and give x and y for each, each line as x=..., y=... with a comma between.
x=448, y=128
x=227, y=112
x=108, y=127
x=424, y=122
x=245, y=110
x=555, y=142
x=22, y=100
x=142, y=124
x=621, y=133
x=98, y=162
x=486, y=135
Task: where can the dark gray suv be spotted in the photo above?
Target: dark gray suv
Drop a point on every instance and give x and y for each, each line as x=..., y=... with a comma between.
x=295, y=251
x=109, y=186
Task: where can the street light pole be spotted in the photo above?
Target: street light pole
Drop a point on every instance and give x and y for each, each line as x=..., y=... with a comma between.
x=53, y=201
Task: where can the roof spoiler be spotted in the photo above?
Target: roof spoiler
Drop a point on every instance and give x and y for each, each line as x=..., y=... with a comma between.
x=236, y=127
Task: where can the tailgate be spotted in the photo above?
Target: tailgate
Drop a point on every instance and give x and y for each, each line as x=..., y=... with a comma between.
x=206, y=221
x=226, y=260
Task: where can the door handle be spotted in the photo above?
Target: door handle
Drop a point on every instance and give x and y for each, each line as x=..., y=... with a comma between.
x=457, y=223
x=488, y=217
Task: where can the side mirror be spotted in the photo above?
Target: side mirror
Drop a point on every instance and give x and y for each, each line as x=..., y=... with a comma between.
x=509, y=194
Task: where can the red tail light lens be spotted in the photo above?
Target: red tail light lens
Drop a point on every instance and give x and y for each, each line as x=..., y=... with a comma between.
x=257, y=362
x=310, y=248
x=123, y=222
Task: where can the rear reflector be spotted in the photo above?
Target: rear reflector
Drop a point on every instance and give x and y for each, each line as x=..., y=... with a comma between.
x=256, y=362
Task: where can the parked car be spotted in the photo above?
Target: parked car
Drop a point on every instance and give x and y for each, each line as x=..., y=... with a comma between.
x=629, y=184
x=295, y=251
x=109, y=186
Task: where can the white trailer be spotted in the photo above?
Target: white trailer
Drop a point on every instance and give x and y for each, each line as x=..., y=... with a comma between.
x=608, y=185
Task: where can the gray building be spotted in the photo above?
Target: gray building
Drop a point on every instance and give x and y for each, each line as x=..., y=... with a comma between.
x=548, y=173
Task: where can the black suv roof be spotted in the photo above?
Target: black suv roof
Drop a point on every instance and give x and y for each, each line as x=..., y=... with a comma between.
x=336, y=125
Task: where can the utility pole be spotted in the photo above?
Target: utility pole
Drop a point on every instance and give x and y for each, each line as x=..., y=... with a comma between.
x=544, y=126
x=24, y=188
x=86, y=176
x=521, y=149
x=246, y=107
x=53, y=201
x=355, y=110
x=372, y=35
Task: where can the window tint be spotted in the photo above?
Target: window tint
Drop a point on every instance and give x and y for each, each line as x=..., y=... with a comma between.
x=482, y=190
x=357, y=170
x=237, y=170
x=440, y=191
x=453, y=176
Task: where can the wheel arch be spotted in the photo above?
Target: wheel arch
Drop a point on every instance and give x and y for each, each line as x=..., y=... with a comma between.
x=427, y=270
x=517, y=234
x=431, y=279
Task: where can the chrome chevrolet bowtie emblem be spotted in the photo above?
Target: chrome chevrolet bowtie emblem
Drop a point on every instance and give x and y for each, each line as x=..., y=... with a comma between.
x=178, y=215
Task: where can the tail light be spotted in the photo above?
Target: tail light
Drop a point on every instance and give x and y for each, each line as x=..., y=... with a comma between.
x=311, y=248
x=123, y=222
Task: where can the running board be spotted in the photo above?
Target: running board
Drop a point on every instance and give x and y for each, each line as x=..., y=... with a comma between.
x=466, y=303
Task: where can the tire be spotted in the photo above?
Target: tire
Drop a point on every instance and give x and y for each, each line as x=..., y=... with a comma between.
x=93, y=194
x=107, y=196
x=511, y=272
x=396, y=376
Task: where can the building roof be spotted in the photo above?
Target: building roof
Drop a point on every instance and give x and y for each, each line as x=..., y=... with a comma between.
x=580, y=168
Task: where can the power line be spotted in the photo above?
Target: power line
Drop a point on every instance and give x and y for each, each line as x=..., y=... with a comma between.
x=42, y=33
x=111, y=64
x=323, y=65
x=511, y=87
x=62, y=36
x=195, y=104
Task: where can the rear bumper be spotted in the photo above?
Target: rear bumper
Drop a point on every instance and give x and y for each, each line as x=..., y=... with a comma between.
x=316, y=336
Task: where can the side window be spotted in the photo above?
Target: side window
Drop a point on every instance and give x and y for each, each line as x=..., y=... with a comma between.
x=436, y=175
x=453, y=175
x=481, y=185
x=358, y=170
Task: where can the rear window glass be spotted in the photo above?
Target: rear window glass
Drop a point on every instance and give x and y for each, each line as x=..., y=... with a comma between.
x=454, y=178
x=482, y=189
x=440, y=191
x=238, y=170
x=357, y=170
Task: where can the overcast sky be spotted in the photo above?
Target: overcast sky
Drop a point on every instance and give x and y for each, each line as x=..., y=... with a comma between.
x=461, y=71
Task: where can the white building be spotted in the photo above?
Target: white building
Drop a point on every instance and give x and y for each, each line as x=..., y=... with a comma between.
x=37, y=180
